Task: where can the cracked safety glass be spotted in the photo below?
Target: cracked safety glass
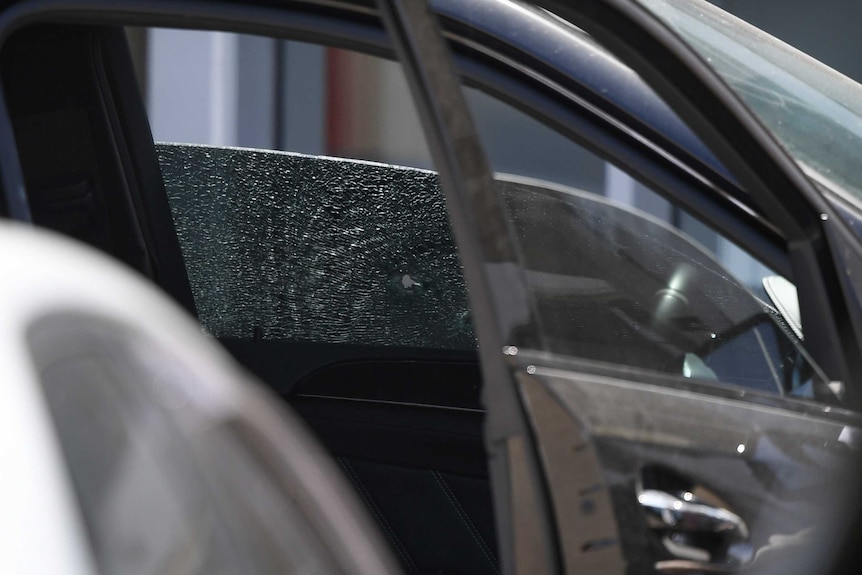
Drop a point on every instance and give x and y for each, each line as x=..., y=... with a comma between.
x=293, y=247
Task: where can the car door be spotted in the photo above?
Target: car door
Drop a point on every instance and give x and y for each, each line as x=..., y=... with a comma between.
x=625, y=469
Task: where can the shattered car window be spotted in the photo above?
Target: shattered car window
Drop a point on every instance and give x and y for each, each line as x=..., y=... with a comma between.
x=294, y=247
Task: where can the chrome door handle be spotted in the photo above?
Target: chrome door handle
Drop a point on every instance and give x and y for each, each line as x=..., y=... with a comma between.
x=685, y=512
x=699, y=536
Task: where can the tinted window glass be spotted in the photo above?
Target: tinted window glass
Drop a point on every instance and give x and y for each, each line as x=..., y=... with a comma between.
x=585, y=228
x=614, y=284
x=619, y=274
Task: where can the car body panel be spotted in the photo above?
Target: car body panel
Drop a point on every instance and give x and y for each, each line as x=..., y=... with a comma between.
x=786, y=477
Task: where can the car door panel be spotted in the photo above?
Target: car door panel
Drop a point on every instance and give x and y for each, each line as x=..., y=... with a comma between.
x=408, y=434
x=783, y=473
x=589, y=537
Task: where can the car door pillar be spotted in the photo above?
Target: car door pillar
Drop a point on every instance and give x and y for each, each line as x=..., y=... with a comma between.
x=498, y=297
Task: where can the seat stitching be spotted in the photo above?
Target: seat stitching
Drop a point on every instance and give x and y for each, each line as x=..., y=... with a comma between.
x=378, y=514
x=486, y=551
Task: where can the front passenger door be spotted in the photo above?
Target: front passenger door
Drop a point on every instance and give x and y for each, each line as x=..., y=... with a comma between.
x=648, y=449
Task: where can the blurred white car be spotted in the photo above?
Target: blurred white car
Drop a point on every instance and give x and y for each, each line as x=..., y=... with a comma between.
x=130, y=443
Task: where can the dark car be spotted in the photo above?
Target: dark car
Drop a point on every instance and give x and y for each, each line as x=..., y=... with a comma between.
x=615, y=331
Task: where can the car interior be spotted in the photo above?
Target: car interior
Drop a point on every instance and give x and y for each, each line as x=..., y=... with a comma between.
x=403, y=421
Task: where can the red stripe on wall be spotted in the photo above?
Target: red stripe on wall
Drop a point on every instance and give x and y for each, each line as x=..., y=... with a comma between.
x=338, y=102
